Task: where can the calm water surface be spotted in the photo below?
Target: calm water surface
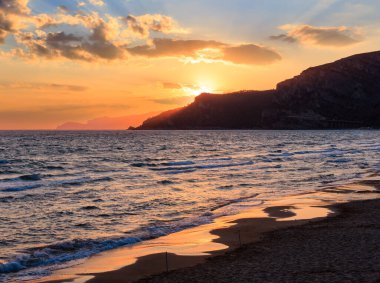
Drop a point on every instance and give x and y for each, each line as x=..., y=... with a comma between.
x=67, y=195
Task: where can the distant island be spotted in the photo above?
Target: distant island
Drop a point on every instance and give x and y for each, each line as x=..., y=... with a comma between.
x=106, y=123
x=342, y=94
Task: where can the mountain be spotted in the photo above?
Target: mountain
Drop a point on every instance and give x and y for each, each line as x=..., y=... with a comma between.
x=107, y=123
x=342, y=94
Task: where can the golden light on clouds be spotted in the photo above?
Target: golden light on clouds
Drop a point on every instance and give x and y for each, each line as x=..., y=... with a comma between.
x=96, y=58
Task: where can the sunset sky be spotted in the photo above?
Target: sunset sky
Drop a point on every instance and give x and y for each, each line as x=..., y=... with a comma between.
x=77, y=60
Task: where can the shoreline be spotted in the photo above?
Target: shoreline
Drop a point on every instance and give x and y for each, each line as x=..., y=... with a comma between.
x=196, y=245
x=342, y=248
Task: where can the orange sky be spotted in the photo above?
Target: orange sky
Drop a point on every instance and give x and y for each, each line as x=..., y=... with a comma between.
x=91, y=59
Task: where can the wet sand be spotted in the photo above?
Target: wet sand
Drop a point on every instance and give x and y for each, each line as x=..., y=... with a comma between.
x=345, y=248
x=224, y=250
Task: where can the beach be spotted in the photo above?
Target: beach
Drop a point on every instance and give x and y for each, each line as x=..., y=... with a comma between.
x=344, y=248
x=316, y=237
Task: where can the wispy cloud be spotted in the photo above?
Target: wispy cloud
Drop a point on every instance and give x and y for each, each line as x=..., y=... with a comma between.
x=168, y=85
x=178, y=100
x=316, y=10
x=42, y=86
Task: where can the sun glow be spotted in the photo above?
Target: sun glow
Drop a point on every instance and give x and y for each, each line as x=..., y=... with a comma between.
x=197, y=89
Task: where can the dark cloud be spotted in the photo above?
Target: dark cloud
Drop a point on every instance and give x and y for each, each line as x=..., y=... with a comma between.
x=97, y=42
x=323, y=36
x=134, y=25
x=70, y=46
x=284, y=37
x=63, y=9
x=18, y=7
x=10, y=10
x=5, y=27
x=144, y=24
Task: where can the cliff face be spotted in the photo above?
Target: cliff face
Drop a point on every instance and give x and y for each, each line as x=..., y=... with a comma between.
x=343, y=94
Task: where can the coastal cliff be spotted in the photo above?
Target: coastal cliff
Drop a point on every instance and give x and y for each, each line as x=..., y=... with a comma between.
x=342, y=94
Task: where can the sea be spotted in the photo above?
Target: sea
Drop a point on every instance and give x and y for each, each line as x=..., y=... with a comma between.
x=65, y=196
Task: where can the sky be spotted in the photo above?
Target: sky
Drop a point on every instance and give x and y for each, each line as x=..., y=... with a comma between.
x=87, y=60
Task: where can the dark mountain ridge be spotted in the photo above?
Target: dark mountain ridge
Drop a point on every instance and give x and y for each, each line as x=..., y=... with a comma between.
x=342, y=94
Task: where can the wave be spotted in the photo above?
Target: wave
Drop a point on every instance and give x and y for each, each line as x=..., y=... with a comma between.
x=166, y=182
x=80, y=181
x=149, y=164
x=37, y=183
x=63, y=252
x=177, y=163
x=32, y=177
x=52, y=167
x=186, y=169
x=181, y=171
x=20, y=188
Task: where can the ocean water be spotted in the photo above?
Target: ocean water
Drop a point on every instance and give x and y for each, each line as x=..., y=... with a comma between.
x=67, y=195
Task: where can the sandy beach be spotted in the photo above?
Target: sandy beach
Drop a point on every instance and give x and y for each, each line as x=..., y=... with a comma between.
x=344, y=248
x=319, y=237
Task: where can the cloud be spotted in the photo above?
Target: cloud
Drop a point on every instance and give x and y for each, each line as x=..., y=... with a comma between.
x=179, y=100
x=63, y=9
x=250, y=54
x=247, y=54
x=85, y=36
x=11, y=13
x=92, y=37
x=144, y=24
x=97, y=2
x=284, y=37
x=6, y=26
x=167, y=85
x=167, y=47
x=18, y=7
x=322, y=36
x=77, y=35
x=99, y=43
x=42, y=86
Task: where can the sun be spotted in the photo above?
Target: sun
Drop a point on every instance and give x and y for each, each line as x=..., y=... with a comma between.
x=197, y=90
